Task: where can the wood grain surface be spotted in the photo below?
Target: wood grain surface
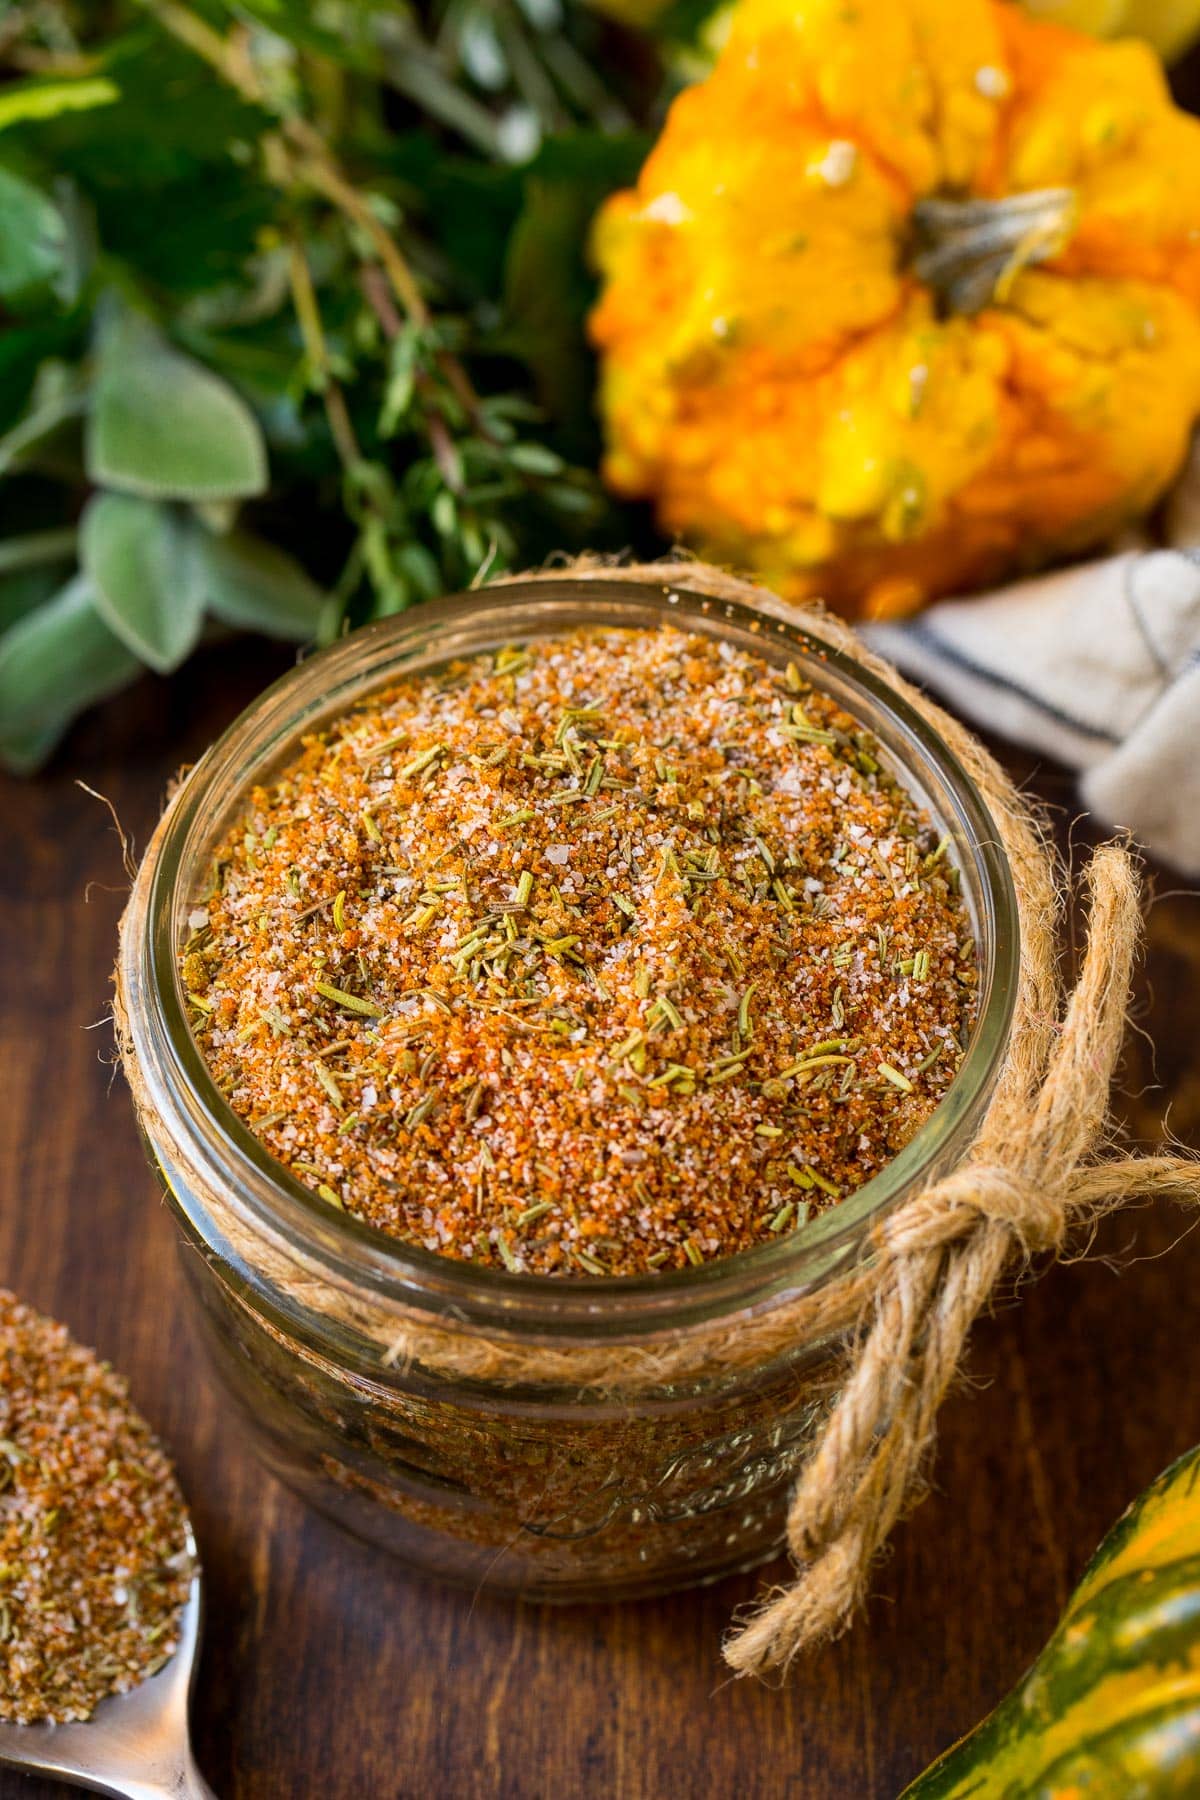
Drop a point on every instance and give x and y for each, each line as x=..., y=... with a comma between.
x=329, y=1673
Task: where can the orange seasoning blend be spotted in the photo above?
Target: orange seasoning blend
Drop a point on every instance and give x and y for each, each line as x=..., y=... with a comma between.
x=601, y=955
x=95, y=1559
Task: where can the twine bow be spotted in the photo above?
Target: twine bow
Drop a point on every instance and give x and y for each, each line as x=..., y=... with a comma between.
x=1032, y=1177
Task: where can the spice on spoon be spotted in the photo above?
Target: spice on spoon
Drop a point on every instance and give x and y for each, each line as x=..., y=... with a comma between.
x=94, y=1560
x=641, y=937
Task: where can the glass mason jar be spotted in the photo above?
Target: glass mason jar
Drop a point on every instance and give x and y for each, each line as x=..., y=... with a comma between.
x=560, y=1438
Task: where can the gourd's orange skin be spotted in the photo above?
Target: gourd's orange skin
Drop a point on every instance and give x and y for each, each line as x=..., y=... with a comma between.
x=777, y=380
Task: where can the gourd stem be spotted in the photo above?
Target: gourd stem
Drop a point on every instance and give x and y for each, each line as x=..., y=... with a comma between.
x=970, y=251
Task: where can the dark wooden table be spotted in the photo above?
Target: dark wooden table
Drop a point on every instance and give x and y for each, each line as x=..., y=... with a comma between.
x=328, y=1673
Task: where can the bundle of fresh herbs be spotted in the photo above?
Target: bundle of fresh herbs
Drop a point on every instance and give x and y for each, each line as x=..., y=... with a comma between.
x=291, y=296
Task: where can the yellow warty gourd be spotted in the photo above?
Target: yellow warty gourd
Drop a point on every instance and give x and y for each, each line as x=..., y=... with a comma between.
x=907, y=298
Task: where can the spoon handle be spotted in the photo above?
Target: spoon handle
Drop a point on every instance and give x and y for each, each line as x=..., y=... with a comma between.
x=190, y=1784
x=186, y=1783
x=181, y=1782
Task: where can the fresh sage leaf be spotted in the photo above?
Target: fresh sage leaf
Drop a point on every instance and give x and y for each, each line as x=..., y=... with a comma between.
x=24, y=589
x=53, y=663
x=24, y=748
x=33, y=237
x=80, y=243
x=257, y=587
x=140, y=556
x=164, y=426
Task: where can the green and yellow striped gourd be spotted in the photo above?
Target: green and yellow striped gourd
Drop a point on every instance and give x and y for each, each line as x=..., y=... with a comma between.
x=1111, y=1708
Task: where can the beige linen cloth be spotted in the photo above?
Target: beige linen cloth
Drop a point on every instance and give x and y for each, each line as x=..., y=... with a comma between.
x=1097, y=665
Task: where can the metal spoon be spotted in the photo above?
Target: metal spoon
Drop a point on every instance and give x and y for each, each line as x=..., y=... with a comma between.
x=135, y=1746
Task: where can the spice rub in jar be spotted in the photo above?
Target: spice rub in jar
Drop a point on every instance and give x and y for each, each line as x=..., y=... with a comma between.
x=95, y=1556
x=603, y=954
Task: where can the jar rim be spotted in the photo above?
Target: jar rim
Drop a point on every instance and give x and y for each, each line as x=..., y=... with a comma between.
x=180, y=1087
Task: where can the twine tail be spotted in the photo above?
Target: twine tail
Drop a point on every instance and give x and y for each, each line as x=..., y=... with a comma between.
x=1073, y=1104
x=941, y=1259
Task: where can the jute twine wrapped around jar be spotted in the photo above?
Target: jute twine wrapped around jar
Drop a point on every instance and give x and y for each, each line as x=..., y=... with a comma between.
x=1040, y=1172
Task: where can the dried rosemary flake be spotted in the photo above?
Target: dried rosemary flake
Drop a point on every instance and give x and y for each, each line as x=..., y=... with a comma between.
x=895, y=1077
x=822, y=1181
x=810, y=1062
x=674, y=1072
x=809, y=734
x=352, y=1002
x=511, y=1262
x=511, y=660
x=328, y=1082
x=665, y=1009
x=420, y=763
x=382, y=747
